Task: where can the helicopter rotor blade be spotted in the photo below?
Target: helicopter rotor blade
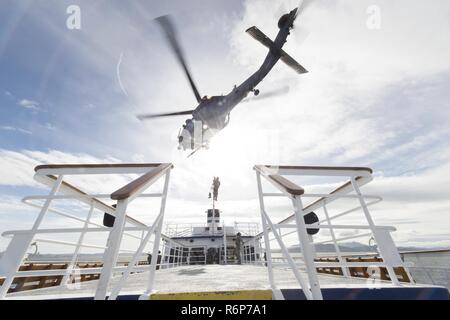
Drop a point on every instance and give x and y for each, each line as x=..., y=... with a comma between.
x=171, y=35
x=302, y=6
x=160, y=115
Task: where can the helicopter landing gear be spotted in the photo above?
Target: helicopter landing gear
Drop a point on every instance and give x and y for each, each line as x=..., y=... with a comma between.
x=255, y=92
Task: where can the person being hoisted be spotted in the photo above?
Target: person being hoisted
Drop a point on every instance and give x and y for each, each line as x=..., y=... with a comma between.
x=215, y=188
x=216, y=185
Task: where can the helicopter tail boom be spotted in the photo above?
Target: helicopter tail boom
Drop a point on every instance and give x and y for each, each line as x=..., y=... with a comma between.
x=259, y=36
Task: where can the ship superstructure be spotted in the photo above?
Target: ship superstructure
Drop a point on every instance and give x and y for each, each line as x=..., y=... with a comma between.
x=204, y=243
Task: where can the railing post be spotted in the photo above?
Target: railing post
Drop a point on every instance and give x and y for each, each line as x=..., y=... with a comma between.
x=170, y=258
x=151, y=276
x=174, y=256
x=345, y=269
x=135, y=259
x=112, y=250
x=307, y=249
x=390, y=269
x=224, y=244
x=163, y=255
x=254, y=249
x=14, y=254
x=70, y=267
x=261, y=255
x=265, y=232
x=289, y=259
x=246, y=255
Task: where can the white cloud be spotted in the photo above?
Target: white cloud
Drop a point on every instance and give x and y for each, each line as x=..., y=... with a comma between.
x=367, y=91
x=10, y=128
x=29, y=104
x=13, y=216
x=17, y=169
x=374, y=98
x=49, y=126
x=417, y=204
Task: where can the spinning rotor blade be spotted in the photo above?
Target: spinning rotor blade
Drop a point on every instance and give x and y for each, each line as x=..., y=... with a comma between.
x=302, y=6
x=160, y=115
x=302, y=32
x=171, y=36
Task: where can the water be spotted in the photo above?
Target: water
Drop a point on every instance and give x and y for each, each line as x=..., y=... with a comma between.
x=429, y=267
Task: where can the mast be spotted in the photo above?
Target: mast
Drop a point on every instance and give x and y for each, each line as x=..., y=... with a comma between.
x=213, y=215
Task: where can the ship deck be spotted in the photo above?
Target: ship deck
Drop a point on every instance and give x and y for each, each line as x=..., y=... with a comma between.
x=204, y=278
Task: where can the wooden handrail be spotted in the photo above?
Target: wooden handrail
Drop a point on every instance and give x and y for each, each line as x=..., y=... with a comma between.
x=286, y=185
x=134, y=186
x=96, y=166
x=325, y=168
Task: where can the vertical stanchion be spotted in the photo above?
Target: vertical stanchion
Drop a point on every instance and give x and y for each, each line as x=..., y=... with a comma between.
x=163, y=255
x=265, y=232
x=307, y=250
x=135, y=259
x=224, y=243
x=112, y=250
x=151, y=276
x=254, y=250
x=345, y=270
x=362, y=202
x=77, y=248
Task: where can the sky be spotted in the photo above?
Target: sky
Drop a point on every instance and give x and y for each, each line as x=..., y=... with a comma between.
x=376, y=95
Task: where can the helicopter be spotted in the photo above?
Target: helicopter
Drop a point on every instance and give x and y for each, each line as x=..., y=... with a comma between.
x=212, y=114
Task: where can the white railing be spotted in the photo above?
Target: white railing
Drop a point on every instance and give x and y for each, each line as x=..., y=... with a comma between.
x=247, y=228
x=304, y=260
x=147, y=235
x=180, y=230
x=252, y=251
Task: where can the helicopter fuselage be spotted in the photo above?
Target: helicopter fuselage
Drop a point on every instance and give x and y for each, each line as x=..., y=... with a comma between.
x=212, y=113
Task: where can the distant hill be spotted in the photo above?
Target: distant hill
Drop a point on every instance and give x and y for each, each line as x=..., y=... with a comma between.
x=360, y=247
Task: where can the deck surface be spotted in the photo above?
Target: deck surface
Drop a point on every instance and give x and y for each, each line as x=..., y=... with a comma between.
x=198, y=279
